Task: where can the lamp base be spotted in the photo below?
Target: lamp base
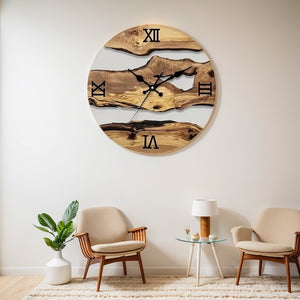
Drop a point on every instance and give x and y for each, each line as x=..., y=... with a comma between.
x=205, y=226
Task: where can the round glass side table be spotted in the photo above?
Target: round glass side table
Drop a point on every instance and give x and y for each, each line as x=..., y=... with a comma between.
x=212, y=243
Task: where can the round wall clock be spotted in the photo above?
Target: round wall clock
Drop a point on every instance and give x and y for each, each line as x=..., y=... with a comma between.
x=152, y=89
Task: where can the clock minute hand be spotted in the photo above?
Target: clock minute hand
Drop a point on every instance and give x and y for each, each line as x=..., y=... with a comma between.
x=176, y=74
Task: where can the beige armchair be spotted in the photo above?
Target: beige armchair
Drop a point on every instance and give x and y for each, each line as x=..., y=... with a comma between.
x=275, y=237
x=102, y=234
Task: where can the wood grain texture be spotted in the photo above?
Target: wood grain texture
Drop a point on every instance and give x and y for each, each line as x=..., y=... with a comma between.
x=132, y=40
x=159, y=85
x=169, y=135
x=122, y=88
x=17, y=287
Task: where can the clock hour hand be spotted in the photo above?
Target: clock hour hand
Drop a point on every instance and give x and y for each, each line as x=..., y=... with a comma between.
x=139, y=78
x=151, y=89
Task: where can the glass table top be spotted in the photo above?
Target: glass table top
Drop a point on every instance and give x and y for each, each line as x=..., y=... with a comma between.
x=205, y=240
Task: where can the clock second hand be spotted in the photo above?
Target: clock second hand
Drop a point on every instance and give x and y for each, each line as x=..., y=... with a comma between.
x=151, y=89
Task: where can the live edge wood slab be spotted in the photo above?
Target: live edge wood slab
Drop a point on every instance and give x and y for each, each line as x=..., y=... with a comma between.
x=133, y=40
x=122, y=88
x=169, y=135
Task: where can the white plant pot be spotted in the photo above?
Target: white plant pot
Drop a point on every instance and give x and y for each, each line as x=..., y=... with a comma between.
x=58, y=269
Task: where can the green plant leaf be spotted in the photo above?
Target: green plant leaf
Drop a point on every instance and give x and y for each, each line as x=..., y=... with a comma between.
x=60, y=226
x=43, y=229
x=71, y=211
x=65, y=232
x=46, y=221
x=51, y=244
x=62, y=231
x=69, y=230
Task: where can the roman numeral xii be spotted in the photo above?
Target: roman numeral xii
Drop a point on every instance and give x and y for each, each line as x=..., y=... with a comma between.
x=152, y=35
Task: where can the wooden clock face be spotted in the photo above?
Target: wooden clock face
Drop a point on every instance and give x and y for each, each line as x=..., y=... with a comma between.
x=152, y=89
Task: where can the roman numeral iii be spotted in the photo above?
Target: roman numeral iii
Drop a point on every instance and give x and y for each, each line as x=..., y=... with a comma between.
x=204, y=88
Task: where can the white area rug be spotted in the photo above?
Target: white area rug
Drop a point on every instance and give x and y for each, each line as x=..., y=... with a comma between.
x=169, y=287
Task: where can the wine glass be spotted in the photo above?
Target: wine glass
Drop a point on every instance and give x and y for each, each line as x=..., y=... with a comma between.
x=187, y=229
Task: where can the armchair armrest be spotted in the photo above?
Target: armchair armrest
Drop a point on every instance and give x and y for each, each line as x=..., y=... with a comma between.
x=241, y=233
x=138, y=234
x=80, y=234
x=85, y=244
x=296, y=252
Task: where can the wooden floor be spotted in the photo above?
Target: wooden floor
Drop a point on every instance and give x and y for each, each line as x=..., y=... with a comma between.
x=17, y=287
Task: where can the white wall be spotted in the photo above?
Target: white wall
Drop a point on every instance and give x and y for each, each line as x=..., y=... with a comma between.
x=53, y=153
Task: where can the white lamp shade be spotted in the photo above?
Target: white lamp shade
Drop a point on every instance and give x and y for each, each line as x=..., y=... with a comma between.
x=204, y=208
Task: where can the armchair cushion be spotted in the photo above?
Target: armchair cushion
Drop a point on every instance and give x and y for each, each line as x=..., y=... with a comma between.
x=278, y=225
x=261, y=247
x=119, y=247
x=104, y=224
x=241, y=233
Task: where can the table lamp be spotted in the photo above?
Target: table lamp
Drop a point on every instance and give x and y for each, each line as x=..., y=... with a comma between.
x=204, y=209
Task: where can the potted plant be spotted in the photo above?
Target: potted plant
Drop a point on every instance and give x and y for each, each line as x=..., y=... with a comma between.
x=58, y=270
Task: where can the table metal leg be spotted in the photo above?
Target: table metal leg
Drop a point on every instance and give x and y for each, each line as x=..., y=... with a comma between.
x=190, y=259
x=198, y=264
x=217, y=259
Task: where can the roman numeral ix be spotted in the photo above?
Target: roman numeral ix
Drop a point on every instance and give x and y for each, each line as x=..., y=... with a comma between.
x=98, y=89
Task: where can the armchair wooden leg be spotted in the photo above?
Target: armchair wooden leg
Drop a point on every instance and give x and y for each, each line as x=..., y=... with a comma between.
x=141, y=267
x=260, y=267
x=124, y=267
x=87, y=267
x=240, y=268
x=102, y=261
x=287, y=266
x=298, y=266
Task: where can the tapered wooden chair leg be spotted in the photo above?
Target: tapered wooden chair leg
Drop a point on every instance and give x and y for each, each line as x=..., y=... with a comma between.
x=102, y=261
x=260, y=267
x=287, y=266
x=240, y=268
x=124, y=267
x=88, y=262
x=141, y=267
x=298, y=266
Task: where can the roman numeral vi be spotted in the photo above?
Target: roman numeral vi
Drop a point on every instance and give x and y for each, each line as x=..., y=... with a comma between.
x=152, y=140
